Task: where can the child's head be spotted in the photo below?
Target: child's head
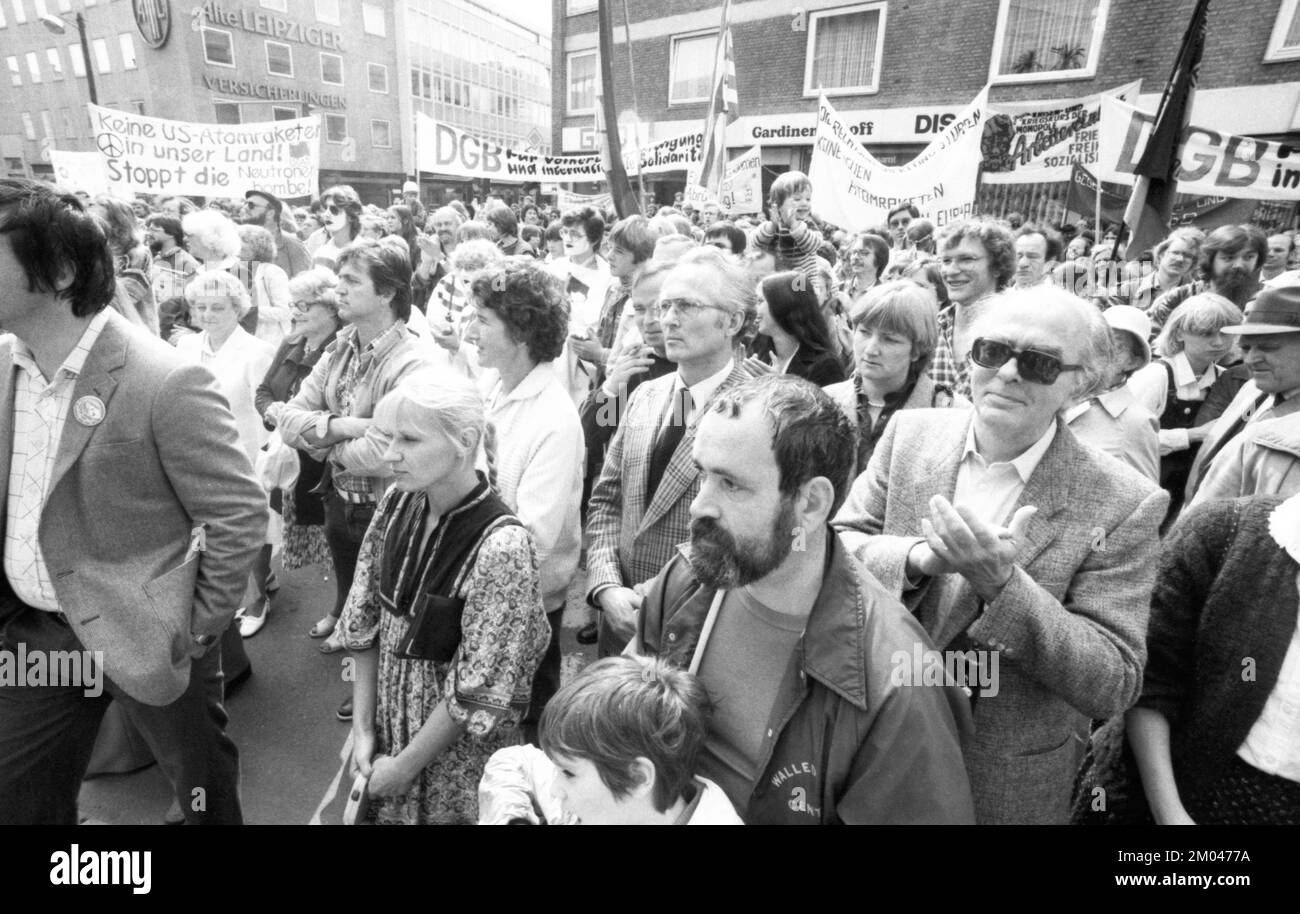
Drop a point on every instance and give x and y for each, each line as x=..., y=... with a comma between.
x=624, y=735
x=789, y=184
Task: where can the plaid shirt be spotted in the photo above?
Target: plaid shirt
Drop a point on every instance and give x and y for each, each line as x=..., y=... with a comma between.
x=946, y=369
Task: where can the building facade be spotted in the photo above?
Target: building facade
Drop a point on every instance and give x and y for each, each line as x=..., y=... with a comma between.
x=899, y=70
x=363, y=66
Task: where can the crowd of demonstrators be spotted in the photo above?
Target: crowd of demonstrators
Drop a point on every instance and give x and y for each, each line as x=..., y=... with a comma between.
x=998, y=450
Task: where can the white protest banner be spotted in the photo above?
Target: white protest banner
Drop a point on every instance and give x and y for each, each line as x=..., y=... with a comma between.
x=82, y=171
x=443, y=149
x=1211, y=163
x=157, y=156
x=1028, y=142
x=568, y=200
x=853, y=190
x=742, y=186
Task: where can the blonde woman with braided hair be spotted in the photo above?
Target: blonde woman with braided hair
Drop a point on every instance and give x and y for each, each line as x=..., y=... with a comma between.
x=445, y=615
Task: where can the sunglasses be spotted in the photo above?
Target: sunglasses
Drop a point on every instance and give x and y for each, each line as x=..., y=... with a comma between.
x=334, y=210
x=1039, y=367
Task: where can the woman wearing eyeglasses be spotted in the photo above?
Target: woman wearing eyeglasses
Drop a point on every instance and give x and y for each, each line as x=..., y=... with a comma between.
x=315, y=323
x=341, y=210
x=894, y=335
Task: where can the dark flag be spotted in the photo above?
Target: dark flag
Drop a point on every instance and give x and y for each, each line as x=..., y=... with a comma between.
x=1081, y=197
x=1152, y=202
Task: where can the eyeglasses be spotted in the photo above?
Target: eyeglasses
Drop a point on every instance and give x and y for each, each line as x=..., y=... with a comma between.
x=334, y=209
x=1039, y=367
x=963, y=263
x=684, y=307
x=572, y=233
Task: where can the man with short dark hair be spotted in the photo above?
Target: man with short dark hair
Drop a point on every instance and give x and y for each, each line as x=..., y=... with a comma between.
x=1231, y=258
x=506, y=228
x=726, y=237
x=133, y=519
x=899, y=218
x=265, y=210
x=1037, y=251
x=797, y=645
x=1014, y=543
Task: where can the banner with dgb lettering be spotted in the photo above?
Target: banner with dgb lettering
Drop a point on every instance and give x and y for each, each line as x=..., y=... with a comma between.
x=157, y=156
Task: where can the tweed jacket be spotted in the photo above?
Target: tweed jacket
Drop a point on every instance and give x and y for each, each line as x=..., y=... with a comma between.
x=123, y=499
x=1069, y=627
x=1243, y=404
x=629, y=541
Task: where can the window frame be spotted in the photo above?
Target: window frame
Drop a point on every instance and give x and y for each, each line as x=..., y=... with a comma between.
x=383, y=20
x=1087, y=71
x=33, y=62
x=99, y=50
x=326, y=122
x=672, y=58
x=266, y=51
x=15, y=67
x=29, y=126
x=339, y=58
x=295, y=112
x=276, y=6
x=370, y=69
x=568, y=81
x=1275, y=52
x=125, y=41
x=811, y=91
x=225, y=101
x=230, y=42
x=388, y=125
x=338, y=13
x=54, y=60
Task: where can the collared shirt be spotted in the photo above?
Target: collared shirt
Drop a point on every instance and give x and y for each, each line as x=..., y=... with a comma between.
x=701, y=391
x=356, y=361
x=992, y=489
x=949, y=368
x=40, y=412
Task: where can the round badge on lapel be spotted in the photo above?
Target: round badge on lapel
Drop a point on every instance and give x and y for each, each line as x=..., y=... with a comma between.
x=89, y=411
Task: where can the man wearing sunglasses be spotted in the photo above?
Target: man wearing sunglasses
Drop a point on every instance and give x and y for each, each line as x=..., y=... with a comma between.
x=1008, y=537
x=264, y=209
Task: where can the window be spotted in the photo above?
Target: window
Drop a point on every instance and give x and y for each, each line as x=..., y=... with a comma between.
x=69, y=127
x=47, y=125
x=279, y=59
x=55, y=60
x=33, y=67
x=277, y=5
x=227, y=112
x=331, y=69
x=380, y=135
x=78, y=60
x=2, y=17
x=99, y=47
x=574, y=7
x=377, y=74
x=137, y=104
x=29, y=128
x=372, y=17
x=327, y=11
x=582, y=82
x=421, y=83
x=20, y=16
x=1040, y=40
x=1284, y=44
x=336, y=128
x=692, y=67
x=844, y=50
x=15, y=70
x=279, y=113
x=218, y=48
x=127, y=44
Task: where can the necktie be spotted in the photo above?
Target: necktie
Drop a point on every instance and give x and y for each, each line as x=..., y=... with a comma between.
x=670, y=435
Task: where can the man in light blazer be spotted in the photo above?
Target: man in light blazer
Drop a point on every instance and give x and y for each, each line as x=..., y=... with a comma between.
x=640, y=508
x=132, y=518
x=1045, y=565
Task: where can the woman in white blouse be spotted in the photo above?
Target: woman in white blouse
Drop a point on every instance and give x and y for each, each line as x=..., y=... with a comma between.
x=1174, y=386
x=239, y=360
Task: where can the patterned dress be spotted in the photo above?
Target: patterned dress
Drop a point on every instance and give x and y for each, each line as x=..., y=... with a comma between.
x=487, y=687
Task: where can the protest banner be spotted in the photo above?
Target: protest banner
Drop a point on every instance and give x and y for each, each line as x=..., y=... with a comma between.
x=157, y=156
x=1031, y=142
x=83, y=171
x=1211, y=163
x=853, y=190
x=443, y=149
x=568, y=200
x=742, y=186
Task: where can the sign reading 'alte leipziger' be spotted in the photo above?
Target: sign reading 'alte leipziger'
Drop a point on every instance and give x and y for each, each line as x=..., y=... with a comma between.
x=263, y=23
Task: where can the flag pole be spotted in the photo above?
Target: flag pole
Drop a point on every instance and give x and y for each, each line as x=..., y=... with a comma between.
x=620, y=187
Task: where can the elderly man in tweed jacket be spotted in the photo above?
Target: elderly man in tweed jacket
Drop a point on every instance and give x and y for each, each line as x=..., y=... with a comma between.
x=640, y=508
x=1010, y=538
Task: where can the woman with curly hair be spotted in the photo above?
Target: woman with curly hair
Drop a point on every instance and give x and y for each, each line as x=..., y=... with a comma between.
x=131, y=261
x=445, y=616
x=341, y=210
x=519, y=325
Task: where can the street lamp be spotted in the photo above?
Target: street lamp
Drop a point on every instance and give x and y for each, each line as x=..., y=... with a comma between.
x=58, y=25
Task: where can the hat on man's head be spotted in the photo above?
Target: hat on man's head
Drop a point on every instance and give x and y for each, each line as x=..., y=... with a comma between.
x=1275, y=310
x=272, y=200
x=1135, y=321
x=410, y=187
